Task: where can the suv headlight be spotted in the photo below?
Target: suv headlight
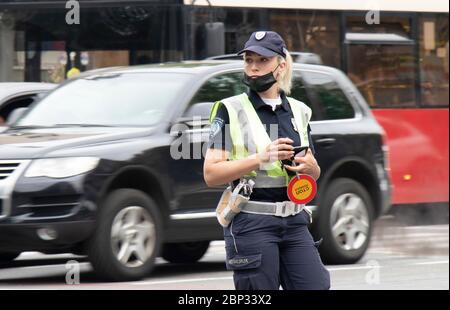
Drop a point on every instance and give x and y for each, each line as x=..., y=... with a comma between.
x=61, y=167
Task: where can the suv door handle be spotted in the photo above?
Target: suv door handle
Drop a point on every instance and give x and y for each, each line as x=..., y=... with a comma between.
x=326, y=142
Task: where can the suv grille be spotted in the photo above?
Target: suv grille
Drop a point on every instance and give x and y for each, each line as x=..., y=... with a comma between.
x=7, y=168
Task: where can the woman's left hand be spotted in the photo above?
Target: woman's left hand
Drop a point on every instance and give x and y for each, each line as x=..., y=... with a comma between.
x=306, y=165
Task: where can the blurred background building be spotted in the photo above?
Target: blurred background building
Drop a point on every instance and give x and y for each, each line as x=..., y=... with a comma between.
x=36, y=41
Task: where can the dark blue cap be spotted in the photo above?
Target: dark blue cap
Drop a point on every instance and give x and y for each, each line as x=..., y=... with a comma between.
x=265, y=43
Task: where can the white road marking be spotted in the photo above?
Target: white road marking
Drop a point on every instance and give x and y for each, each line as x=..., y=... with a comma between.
x=429, y=227
x=351, y=268
x=432, y=263
x=231, y=278
x=180, y=281
x=410, y=235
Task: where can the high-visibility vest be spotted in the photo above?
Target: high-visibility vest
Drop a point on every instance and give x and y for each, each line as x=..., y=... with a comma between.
x=249, y=136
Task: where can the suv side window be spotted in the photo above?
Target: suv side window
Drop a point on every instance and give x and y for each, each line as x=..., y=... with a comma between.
x=331, y=100
x=220, y=87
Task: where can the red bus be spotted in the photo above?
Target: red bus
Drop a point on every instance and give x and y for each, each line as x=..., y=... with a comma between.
x=397, y=55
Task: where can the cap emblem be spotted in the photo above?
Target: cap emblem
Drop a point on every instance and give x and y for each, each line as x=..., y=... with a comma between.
x=260, y=35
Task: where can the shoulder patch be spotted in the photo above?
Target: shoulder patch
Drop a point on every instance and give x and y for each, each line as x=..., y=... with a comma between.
x=216, y=126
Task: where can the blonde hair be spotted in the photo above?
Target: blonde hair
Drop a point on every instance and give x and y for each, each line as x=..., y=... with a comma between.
x=285, y=79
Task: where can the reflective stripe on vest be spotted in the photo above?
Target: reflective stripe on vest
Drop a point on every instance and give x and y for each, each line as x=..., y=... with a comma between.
x=249, y=136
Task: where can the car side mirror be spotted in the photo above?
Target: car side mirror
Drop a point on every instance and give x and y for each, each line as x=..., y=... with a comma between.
x=198, y=111
x=196, y=116
x=15, y=115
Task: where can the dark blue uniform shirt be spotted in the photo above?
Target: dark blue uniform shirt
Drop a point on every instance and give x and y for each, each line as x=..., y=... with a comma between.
x=220, y=137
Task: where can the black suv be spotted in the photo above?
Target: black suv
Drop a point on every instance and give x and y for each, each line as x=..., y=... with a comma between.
x=110, y=164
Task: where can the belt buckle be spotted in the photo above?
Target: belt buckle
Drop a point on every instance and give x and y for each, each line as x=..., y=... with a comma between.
x=290, y=208
x=280, y=209
x=284, y=209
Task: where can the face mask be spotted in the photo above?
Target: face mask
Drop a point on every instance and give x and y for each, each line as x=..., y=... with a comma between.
x=261, y=83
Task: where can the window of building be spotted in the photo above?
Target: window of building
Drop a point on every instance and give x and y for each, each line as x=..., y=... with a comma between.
x=217, y=31
x=39, y=45
x=313, y=32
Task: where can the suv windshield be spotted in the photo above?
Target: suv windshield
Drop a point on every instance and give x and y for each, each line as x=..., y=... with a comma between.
x=124, y=99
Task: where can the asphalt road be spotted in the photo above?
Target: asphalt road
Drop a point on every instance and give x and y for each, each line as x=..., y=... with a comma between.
x=399, y=257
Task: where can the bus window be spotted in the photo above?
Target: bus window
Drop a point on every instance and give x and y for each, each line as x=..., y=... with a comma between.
x=384, y=74
x=398, y=25
x=380, y=61
x=433, y=41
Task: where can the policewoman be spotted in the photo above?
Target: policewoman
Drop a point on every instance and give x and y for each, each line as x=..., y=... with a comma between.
x=252, y=137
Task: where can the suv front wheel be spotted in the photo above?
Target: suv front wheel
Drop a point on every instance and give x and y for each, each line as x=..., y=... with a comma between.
x=128, y=236
x=345, y=222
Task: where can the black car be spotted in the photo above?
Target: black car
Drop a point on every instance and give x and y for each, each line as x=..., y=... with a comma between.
x=110, y=164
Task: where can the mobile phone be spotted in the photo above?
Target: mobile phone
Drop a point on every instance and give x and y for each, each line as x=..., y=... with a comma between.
x=300, y=150
x=297, y=149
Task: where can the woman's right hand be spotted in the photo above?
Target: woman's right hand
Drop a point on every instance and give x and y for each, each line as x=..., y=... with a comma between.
x=279, y=149
x=218, y=170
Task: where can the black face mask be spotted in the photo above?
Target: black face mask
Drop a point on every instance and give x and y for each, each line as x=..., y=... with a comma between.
x=261, y=83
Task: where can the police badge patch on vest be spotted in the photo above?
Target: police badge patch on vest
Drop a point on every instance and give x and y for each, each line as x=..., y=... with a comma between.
x=216, y=126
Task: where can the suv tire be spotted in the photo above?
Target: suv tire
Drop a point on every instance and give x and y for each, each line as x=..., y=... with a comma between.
x=127, y=238
x=345, y=221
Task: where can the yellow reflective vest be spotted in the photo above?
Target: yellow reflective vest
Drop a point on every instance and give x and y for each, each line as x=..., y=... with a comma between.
x=249, y=136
